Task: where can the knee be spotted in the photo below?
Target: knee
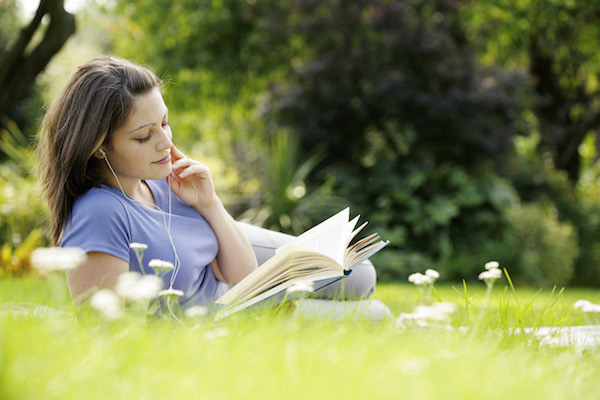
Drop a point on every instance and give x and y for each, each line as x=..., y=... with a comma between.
x=359, y=284
x=264, y=241
x=362, y=280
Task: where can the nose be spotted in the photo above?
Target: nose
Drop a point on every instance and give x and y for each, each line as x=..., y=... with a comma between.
x=164, y=141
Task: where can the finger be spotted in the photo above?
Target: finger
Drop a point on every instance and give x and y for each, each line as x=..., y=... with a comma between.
x=173, y=176
x=199, y=170
x=174, y=157
x=176, y=152
x=183, y=163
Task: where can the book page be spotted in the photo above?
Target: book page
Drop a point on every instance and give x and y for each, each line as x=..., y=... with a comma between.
x=329, y=237
x=309, y=269
x=287, y=263
x=236, y=306
x=363, y=249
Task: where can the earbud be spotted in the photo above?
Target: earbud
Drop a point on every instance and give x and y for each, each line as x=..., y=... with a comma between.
x=101, y=150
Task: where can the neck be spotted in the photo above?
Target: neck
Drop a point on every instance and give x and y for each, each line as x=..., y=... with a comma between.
x=134, y=188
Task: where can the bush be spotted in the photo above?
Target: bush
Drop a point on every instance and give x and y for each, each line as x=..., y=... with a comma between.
x=22, y=211
x=21, y=220
x=537, y=182
x=544, y=249
x=439, y=215
x=396, y=265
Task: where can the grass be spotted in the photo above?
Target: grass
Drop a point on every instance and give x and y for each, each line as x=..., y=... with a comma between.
x=266, y=355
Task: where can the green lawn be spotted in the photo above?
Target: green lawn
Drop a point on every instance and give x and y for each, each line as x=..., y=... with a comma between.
x=277, y=355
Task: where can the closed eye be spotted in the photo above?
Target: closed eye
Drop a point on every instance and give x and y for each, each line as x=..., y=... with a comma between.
x=142, y=140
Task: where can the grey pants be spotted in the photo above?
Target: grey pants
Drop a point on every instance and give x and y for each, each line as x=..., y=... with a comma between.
x=359, y=284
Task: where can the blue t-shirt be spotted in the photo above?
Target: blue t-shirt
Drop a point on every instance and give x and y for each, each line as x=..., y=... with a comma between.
x=106, y=220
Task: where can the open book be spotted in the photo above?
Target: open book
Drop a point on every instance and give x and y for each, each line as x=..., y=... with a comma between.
x=321, y=255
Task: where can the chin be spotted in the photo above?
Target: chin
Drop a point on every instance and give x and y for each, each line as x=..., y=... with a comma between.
x=159, y=175
x=163, y=176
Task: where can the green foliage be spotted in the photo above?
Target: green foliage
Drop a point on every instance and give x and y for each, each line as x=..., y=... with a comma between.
x=401, y=70
x=21, y=209
x=537, y=182
x=440, y=215
x=557, y=43
x=219, y=40
x=544, y=249
x=21, y=219
x=285, y=201
x=9, y=25
x=411, y=126
x=15, y=260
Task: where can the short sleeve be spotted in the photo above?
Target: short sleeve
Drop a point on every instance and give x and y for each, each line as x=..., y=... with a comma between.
x=99, y=222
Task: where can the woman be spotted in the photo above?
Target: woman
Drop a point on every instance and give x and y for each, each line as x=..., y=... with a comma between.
x=113, y=178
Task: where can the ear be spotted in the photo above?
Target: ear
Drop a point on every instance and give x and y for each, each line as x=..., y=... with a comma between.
x=99, y=154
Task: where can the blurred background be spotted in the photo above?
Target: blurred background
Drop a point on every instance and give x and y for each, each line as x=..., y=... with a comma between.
x=464, y=131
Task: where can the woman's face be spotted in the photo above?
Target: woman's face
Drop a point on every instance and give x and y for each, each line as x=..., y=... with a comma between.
x=141, y=148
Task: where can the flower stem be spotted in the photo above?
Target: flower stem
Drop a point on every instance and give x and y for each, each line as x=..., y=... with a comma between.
x=140, y=256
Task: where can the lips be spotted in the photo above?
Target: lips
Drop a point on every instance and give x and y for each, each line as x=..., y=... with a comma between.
x=163, y=161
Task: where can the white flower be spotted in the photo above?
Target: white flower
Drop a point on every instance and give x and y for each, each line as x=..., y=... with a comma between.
x=171, y=292
x=108, y=303
x=407, y=320
x=160, y=266
x=581, y=303
x=436, y=312
x=445, y=308
x=491, y=265
x=138, y=246
x=490, y=275
x=591, y=308
x=196, y=311
x=419, y=279
x=439, y=312
x=432, y=273
x=57, y=258
x=134, y=286
x=302, y=287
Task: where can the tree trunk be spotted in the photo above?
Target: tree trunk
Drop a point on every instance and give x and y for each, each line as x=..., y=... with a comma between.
x=18, y=70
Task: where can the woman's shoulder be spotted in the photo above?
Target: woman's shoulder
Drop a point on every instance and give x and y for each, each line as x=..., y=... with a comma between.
x=99, y=198
x=99, y=221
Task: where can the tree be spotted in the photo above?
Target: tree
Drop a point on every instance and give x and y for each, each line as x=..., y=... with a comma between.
x=400, y=70
x=19, y=67
x=557, y=43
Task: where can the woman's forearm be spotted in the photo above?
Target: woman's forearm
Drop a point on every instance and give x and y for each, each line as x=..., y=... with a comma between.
x=236, y=257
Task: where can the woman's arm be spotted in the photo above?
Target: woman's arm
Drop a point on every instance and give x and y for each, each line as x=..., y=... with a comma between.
x=236, y=257
x=100, y=271
x=192, y=182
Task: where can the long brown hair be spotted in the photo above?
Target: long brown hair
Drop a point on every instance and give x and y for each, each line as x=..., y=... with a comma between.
x=95, y=102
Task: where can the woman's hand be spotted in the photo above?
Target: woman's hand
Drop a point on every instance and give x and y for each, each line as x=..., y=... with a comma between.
x=192, y=182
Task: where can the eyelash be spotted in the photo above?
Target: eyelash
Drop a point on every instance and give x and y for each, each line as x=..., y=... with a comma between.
x=142, y=140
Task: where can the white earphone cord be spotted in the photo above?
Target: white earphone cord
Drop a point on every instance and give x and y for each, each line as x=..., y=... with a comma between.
x=177, y=263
